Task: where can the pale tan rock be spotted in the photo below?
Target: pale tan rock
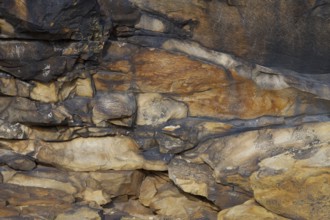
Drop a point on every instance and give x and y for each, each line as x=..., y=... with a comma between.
x=91, y=154
x=116, y=183
x=80, y=213
x=6, y=29
x=97, y=196
x=149, y=23
x=154, y=109
x=13, y=87
x=234, y=158
x=26, y=180
x=248, y=210
x=44, y=92
x=158, y=193
x=97, y=187
x=130, y=209
x=84, y=88
x=295, y=184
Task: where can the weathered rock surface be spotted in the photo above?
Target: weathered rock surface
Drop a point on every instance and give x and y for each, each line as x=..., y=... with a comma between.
x=295, y=185
x=248, y=210
x=154, y=109
x=185, y=109
x=273, y=33
x=92, y=154
x=234, y=158
x=197, y=179
x=32, y=201
x=164, y=198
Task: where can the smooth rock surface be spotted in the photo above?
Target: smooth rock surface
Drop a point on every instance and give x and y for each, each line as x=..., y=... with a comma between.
x=92, y=154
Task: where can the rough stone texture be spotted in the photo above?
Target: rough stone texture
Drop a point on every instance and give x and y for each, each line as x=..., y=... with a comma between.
x=167, y=109
x=154, y=109
x=248, y=210
x=197, y=179
x=164, y=198
x=285, y=34
x=295, y=185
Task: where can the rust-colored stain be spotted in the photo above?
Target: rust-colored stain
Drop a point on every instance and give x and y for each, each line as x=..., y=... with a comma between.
x=159, y=71
x=208, y=90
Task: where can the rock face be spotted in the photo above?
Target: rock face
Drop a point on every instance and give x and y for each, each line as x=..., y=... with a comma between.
x=185, y=109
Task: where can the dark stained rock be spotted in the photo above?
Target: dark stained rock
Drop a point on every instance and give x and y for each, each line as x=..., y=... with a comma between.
x=42, y=60
x=67, y=19
x=16, y=161
x=16, y=110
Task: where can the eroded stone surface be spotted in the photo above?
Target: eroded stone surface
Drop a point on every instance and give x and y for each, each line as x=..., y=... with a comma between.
x=158, y=193
x=91, y=154
x=197, y=179
x=248, y=210
x=140, y=109
x=154, y=109
x=263, y=32
x=295, y=185
x=234, y=158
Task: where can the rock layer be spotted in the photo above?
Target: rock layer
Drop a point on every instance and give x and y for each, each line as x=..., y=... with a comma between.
x=186, y=109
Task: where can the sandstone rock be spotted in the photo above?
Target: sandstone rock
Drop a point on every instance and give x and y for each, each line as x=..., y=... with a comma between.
x=97, y=187
x=23, y=179
x=234, y=158
x=158, y=193
x=155, y=70
x=197, y=179
x=241, y=28
x=295, y=184
x=13, y=87
x=152, y=24
x=203, y=93
x=91, y=154
x=248, y=210
x=45, y=92
x=33, y=196
x=155, y=109
x=80, y=213
x=129, y=209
